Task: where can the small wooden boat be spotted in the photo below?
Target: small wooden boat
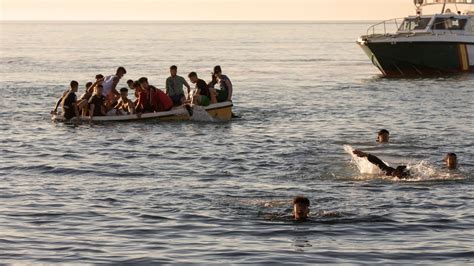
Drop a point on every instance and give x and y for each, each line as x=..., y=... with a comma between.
x=214, y=112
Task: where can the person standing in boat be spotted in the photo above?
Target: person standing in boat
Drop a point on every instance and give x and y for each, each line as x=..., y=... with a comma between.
x=225, y=91
x=202, y=95
x=174, y=86
x=69, y=102
x=109, y=84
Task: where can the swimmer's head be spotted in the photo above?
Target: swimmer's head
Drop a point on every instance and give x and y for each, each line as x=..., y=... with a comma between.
x=401, y=172
x=383, y=136
x=451, y=160
x=300, y=208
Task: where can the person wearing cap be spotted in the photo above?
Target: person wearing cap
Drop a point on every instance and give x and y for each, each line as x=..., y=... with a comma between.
x=383, y=136
x=124, y=105
x=174, y=86
x=451, y=161
x=224, y=93
x=300, y=208
x=400, y=172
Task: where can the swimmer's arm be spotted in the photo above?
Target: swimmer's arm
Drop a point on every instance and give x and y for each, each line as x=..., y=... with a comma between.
x=380, y=164
x=374, y=160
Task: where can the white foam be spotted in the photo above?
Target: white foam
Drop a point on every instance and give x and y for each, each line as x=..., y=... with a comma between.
x=200, y=114
x=364, y=166
x=419, y=171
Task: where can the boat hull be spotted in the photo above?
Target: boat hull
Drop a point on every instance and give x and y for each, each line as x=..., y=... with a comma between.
x=215, y=112
x=420, y=58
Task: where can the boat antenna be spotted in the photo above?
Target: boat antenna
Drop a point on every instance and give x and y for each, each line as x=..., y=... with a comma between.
x=444, y=6
x=418, y=4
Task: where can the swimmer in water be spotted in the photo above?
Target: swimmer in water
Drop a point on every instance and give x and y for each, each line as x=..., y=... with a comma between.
x=451, y=161
x=300, y=208
x=383, y=136
x=400, y=172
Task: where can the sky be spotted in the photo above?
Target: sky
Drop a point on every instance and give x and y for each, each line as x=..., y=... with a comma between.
x=204, y=9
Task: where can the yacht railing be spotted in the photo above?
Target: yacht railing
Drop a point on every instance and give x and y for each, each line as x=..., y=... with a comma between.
x=385, y=27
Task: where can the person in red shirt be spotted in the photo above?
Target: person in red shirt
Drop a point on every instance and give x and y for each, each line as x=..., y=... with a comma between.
x=151, y=99
x=162, y=100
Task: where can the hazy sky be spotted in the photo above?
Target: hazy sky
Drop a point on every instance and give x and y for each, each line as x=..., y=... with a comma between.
x=204, y=9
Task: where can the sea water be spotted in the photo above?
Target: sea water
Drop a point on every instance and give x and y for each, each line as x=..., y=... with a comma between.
x=212, y=192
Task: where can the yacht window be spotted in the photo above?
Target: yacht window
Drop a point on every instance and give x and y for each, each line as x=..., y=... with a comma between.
x=410, y=24
x=449, y=24
x=471, y=25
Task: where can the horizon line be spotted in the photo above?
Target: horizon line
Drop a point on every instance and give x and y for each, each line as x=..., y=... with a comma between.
x=188, y=21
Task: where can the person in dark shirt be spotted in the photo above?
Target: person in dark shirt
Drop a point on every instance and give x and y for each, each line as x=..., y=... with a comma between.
x=69, y=102
x=60, y=100
x=202, y=94
x=400, y=172
x=97, y=103
x=83, y=102
x=226, y=90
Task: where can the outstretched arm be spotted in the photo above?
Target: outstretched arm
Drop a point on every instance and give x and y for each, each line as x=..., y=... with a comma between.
x=59, y=102
x=374, y=160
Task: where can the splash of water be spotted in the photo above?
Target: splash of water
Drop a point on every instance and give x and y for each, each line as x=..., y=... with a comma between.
x=424, y=171
x=420, y=171
x=364, y=166
x=200, y=114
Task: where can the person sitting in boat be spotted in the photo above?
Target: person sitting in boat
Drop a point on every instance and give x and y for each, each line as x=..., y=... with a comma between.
x=383, y=136
x=125, y=106
x=400, y=172
x=110, y=87
x=451, y=161
x=97, y=103
x=83, y=101
x=138, y=89
x=174, y=86
x=69, y=102
x=130, y=84
x=202, y=94
x=152, y=99
x=225, y=91
x=301, y=208
x=60, y=100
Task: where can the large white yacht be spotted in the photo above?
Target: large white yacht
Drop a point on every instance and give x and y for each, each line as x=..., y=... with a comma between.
x=424, y=44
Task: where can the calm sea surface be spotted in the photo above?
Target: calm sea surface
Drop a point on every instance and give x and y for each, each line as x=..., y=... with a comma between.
x=194, y=192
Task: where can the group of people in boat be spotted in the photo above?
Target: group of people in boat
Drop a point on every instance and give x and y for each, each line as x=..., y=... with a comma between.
x=102, y=97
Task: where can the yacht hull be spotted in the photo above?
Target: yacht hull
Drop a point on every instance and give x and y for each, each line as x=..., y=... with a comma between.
x=396, y=59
